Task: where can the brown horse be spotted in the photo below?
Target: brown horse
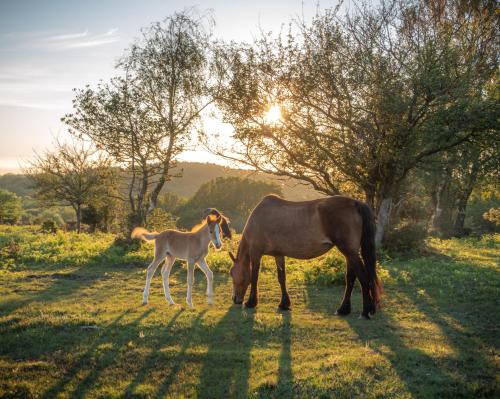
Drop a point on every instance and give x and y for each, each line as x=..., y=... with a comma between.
x=305, y=230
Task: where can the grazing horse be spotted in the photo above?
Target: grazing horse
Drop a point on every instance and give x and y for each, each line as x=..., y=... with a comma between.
x=191, y=246
x=305, y=230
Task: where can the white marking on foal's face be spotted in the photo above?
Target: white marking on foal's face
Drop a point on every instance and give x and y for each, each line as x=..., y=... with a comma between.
x=216, y=237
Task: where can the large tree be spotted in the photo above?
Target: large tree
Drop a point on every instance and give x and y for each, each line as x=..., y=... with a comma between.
x=364, y=98
x=145, y=118
x=73, y=174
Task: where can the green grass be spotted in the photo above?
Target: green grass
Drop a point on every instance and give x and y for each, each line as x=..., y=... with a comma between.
x=71, y=325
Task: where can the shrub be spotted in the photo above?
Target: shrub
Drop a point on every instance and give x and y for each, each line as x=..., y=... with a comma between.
x=49, y=226
x=405, y=238
x=329, y=272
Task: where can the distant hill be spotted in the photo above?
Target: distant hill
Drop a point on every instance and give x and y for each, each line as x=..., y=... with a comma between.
x=193, y=176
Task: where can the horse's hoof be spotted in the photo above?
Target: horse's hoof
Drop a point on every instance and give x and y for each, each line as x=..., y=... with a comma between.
x=343, y=311
x=363, y=317
x=282, y=306
x=250, y=304
x=144, y=303
x=171, y=303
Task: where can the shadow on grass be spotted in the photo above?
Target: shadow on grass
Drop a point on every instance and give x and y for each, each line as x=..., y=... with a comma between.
x=64, y=285
x=93, y=356
x=465, y=373
x=228, y=357
x=284, y=387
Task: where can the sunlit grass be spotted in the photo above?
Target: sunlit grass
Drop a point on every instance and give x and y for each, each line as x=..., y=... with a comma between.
x=71, y=325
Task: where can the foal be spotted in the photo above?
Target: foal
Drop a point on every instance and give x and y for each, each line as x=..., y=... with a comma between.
x=191, y=246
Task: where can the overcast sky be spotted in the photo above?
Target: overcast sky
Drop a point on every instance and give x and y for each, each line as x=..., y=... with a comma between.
x=47, y=48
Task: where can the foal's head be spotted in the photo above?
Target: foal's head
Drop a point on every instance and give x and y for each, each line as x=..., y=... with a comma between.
x=213, y=223
x=240, y=273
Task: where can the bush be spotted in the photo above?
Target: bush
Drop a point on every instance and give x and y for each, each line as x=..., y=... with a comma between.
x=329, y=272
x=49, y=226
x=493, y=216
x=405, y=238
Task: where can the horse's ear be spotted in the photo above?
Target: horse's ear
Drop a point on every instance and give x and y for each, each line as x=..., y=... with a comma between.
x=232, y=256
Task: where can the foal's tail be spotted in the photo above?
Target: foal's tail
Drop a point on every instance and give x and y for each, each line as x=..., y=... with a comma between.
x=368, y=251
x=142, y=234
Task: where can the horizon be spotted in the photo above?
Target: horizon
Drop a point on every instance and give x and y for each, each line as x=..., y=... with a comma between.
x=48, y=49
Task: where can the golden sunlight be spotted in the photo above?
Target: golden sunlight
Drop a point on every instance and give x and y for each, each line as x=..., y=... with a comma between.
x=273, y=115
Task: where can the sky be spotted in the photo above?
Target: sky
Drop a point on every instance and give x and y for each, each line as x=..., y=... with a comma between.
x=49, y=47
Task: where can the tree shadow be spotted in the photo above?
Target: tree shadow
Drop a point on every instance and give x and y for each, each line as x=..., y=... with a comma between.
x=63, y=285
x=153, y=358
x=109, y=336
x=228, y=356
x=465, y=373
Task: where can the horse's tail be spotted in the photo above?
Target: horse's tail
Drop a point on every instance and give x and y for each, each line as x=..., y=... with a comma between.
x=142, y=234
x=368, y=251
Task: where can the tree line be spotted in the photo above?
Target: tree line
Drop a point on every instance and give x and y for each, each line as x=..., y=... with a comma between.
x=390, y=103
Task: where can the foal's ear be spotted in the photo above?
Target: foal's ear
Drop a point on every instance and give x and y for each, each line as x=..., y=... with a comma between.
x=232, y=256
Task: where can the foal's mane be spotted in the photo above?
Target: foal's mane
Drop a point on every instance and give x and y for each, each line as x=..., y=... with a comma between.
x=199, y=226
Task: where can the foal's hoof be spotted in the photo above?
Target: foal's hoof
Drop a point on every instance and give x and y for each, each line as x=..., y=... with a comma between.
x=144, y=303
x=363, y=317
x=284, y=306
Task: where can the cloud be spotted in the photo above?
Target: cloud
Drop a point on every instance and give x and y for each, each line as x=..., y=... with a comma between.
x=57, y=41
x=84, y=39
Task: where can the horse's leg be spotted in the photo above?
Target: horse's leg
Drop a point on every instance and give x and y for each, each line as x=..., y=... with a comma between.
x=253, y=298
x=350, y=278
x=359, y=269
x=165, y=273
x=210, y=280
x=190, y=281
x=149, y=275
x=280, y=266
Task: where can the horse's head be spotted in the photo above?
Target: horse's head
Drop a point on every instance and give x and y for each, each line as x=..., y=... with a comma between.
x=213, y=223
x=240, y=273
x=224, y=222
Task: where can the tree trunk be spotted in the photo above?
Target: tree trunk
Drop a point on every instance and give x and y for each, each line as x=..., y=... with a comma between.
x=440, y=219
x=382, y=218
x=463, y=199
x=78, y=211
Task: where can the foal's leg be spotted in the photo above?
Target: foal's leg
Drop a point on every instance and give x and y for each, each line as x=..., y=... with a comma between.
x=350, y=278
x=285, y=299
x=149, y=275
x=165, y=273
x=210, y=280
x=190, y=281
x=253, y=298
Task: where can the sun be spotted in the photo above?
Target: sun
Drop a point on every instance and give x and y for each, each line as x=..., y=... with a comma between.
x=273, y=115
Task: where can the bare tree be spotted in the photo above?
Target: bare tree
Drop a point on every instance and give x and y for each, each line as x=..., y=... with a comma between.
x=73, y=174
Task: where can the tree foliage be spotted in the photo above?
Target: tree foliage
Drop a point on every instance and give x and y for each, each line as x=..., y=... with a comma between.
x=234, y=197
x=365, y=98
x=74, y=174
x=145, y=117
x=10, y=207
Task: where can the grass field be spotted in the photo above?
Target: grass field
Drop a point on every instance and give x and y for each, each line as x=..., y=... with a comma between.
x=72, y=325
